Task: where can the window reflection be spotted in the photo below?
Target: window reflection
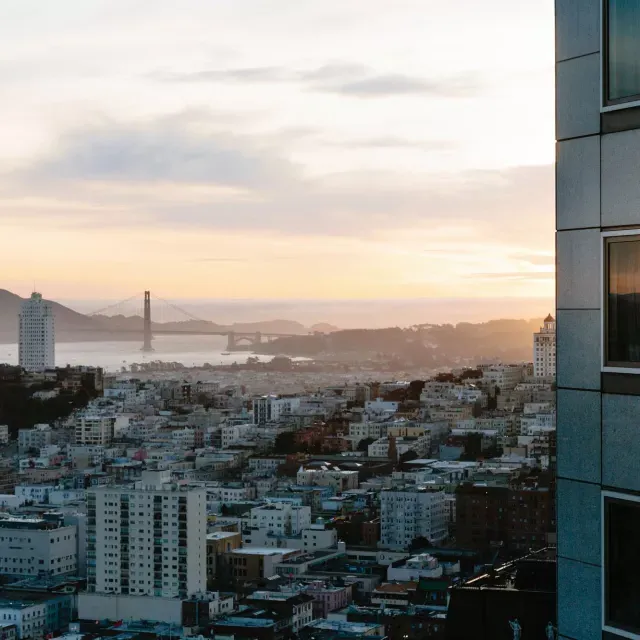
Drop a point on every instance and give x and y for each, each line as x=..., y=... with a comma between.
x=623, y=51
x=623, y=301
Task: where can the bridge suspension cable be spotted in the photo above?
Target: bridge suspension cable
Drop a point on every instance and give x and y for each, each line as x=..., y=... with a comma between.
x=175, y=307
x=114, y=305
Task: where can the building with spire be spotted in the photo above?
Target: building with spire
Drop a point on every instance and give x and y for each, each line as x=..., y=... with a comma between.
x=544, y=349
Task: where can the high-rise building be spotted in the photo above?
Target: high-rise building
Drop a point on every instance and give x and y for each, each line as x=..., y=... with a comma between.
x=412, y=512
x=37, y=334
x=598, y=317
x=544, y=349
x=147, y=540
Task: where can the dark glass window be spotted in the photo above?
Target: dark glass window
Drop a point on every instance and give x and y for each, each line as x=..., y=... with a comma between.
x=622, y=564
x=623, y=301
x=623, y=51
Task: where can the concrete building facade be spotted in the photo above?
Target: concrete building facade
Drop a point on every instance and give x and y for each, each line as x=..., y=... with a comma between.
x=409, y=513
x=147, y=540
x=36, y=344
x=544, y=349
x=598, y=311
x=32, y=547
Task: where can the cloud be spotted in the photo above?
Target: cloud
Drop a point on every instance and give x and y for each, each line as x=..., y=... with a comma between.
x=177, y=174
x=351, y=80
x=396, y=84
x=515, y=275
x=165, y=151
x=536, y=259
x=393, y=142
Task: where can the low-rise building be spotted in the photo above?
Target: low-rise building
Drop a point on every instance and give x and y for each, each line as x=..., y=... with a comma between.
x=37, y=546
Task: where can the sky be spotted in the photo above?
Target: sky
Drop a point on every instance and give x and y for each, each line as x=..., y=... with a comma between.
x=277, y=149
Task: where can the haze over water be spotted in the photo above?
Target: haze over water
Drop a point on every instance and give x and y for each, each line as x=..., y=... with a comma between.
x=112, y=356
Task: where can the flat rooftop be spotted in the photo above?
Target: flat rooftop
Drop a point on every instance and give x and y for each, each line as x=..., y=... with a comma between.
x=263, y=551
x=221, y=535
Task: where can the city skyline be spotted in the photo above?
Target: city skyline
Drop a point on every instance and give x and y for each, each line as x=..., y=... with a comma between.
x=266, y=159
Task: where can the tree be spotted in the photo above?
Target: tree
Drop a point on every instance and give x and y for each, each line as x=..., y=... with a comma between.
x=415, y=389
x=363, y=445
x=409, y=455
x=285, y=442
x=419, y=543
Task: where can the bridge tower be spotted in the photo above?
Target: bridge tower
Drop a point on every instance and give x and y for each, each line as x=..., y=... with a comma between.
x=146, y=346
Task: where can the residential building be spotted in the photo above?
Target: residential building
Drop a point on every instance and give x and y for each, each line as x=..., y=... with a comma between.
x=31, y=547
x=40, y=436
x=505, y=377
x=328, y=597
x=420, y=566
x=36, y=334
x=4, y=434
x=34, y=617
x=598, y=302
x=324, y=477
x=94, y=429
x=281, y=518
x=544, y=349
x=253, y=563
x=381, y=448
x=272, y=408
x=517, y=517
x=220, y=542
x=149, y=539
x=293, y=603
x=411, y=512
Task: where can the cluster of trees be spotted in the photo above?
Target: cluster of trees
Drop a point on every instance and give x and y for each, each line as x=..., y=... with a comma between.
x=20, y=410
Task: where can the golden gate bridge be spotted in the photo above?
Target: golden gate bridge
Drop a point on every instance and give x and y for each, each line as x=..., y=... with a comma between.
x=236, y=340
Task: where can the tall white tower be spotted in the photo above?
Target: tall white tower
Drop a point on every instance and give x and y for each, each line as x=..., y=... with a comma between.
x=37, y=334
x=544, y=349
x=147, y=540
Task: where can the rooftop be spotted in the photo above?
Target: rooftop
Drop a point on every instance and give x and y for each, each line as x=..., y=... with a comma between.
x=263, y=551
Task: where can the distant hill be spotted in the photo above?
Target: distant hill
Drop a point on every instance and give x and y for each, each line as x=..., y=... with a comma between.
x=424, y=345
x=68, y=322
x=323, y=327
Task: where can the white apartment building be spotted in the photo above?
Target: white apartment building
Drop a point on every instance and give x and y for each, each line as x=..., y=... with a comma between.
x=411, y=512
x=4, y=434
x=184, y=438
x=94, y=429
x=544, y=349
x=30, y=618
x=36, y=334
x=281, y=519
x=505, y=377
x=147, y=540
x=31, y=547
x=36, y=438
x=233, y=434
x=323, y=477
x=365, y=430
x=380, y=407
x=229, y=493
x=265, y=464
x=421, y=445
x=272, y=409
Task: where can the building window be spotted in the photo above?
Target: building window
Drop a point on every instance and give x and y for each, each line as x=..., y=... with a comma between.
x=622, y=47
x=622, y=303
x=622, y=564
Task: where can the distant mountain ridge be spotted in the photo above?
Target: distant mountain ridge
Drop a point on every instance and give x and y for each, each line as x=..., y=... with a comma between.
x=72, y=326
